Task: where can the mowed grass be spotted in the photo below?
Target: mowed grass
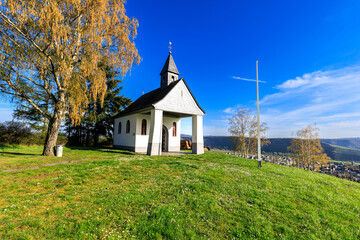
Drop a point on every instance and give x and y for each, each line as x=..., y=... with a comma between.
x=210, y=196
x=20, y=157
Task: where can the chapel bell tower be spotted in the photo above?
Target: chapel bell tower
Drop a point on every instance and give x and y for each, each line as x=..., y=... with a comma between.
x=169, y=73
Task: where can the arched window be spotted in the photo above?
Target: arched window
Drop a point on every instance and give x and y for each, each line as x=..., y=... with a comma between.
x=143, y=127
x=127, y=126
x=174, y=129
x=119, y=128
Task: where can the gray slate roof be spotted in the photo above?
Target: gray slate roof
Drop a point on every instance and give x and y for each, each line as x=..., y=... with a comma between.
x=151, y=98
x=169, y=66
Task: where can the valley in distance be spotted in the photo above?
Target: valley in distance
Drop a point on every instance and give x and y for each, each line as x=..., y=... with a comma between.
x=341, y=149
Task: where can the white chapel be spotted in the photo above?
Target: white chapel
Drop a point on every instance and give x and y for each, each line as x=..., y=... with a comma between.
x=152, y=123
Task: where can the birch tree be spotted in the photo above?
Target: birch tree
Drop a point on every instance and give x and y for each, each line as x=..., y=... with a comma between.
x=243, y=129
x=52, y=49
x=308, y=149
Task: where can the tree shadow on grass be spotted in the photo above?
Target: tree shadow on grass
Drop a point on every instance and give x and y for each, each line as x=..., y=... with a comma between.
x=124, y=152
x=102, y=149
x=19, y=154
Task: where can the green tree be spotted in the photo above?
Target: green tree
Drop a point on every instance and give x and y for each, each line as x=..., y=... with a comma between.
x=53, y=49
x=98, y=119
x=12, y=132
x=26, y=113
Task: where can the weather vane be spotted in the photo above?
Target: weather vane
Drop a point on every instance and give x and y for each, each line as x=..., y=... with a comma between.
x=170, y=47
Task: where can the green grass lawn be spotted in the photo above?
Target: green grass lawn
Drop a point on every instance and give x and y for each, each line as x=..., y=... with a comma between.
x=120, y=195
x=19, y=157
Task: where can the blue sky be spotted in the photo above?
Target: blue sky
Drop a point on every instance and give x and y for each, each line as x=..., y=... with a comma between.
x=308, y=53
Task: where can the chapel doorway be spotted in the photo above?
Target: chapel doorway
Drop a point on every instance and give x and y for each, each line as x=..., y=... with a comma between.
x=165, y=140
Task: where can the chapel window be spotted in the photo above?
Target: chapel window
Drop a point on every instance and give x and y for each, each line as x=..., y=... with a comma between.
x=174, y=129
x=143, y=127
x=127, y=126
x=119, y=128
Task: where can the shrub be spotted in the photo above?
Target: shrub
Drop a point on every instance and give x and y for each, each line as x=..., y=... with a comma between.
x=12, y=132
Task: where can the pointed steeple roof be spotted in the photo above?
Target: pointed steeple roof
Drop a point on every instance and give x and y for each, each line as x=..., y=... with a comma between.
x=169, y=66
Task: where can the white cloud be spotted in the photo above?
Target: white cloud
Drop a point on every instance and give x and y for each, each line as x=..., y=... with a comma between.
x=293, y=83
x=329, y=98
x=229, y=110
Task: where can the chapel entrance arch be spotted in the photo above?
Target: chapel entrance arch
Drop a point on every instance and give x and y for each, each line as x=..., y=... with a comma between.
x=165, y=140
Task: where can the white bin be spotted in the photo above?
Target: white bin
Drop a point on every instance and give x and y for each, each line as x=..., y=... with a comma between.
x=59, y=150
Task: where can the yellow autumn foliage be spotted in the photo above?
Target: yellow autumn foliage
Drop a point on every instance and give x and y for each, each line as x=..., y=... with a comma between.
x=54, y=52
x=56, y=47
x=307, y=149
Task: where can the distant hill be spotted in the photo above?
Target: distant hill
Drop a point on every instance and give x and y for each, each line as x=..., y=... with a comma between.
x=344, y=142
x=341, y=153
x=218, y=142
x=224, y=142
x=335, y=148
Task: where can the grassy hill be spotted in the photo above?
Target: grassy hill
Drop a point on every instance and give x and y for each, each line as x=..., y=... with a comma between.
x=115, y=194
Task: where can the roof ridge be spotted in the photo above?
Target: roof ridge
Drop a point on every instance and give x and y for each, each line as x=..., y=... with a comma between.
x=148, y=99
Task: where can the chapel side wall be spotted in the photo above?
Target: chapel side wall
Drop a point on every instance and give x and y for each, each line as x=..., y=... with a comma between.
x=125, y=140
x=174, y=141
x=141, y=141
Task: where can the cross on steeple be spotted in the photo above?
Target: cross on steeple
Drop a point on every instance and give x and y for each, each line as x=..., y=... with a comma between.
x=170, y=47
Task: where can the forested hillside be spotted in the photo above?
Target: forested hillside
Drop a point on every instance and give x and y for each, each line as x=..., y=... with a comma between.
x=334, y=148
x=344, y=142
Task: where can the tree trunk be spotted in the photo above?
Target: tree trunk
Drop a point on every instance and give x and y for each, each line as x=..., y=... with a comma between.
x=96, y=134
x=313, y=165
x=87, y=135
x=54, y=127
x=51, y=135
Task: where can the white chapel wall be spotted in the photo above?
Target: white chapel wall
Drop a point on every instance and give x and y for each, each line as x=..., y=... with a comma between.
x=141, y=141
x=125, y=140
